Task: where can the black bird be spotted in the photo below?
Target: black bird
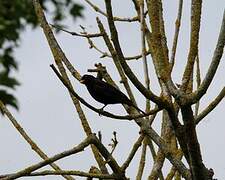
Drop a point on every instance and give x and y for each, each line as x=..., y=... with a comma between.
x=106, y=93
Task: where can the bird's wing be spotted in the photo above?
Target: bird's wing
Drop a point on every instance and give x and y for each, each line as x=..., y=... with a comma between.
x=111, y=92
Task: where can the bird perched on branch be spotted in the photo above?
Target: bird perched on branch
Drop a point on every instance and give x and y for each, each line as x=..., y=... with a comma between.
x=106, y=93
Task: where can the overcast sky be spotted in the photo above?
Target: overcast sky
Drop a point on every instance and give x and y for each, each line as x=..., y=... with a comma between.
x=46, y=110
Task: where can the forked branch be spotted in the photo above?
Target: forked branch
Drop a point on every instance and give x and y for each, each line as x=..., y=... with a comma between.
x=196, y=7
x=211, y=106
x=218, y=52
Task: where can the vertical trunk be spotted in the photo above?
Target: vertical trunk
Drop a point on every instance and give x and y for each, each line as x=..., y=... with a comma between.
x=198, y=170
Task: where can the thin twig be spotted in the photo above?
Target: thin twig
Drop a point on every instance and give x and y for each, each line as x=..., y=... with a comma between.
x=27, y=138
x=151, y=148
x=147, y=52
x=97, y=9
x=176, y=34
x=134, y=149
x=92, y=45
x=144, y=59
x=211, y=106
x=142, y=162
x=198, y=80
x=106, y=54
x=65, y=172
x=152, y=118
x=86, y=35
x=114, y=142
x=145, y=64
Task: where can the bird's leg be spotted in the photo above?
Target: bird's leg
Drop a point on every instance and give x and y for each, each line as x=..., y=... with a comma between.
x=102, y=109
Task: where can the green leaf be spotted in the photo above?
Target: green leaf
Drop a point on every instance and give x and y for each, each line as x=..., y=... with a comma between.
x=7, y=60
x=8, y=99
x=15, y=16
x=76, y=10
x=10, y=82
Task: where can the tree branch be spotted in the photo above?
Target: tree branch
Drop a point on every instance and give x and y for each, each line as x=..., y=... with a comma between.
x=218, y=52
x=176, y=34
x=64, y=173
x=91, y=139
x=134, y=149
x=159, y=47
x=173, y=170
x=198, y=80
x=163, y=34
x=142, y=162
x=86, y=35
x=99, y=111
x=56, y=157
x=97, y=9
x=195, y=158
x=157, y=44
x=144, y=59
x=196, y=6
x=114, y=36
x=109, y=159
x=60, y=57
x=33, y=145
x=211, y=106
x=157, y=166
x=116, y=61
x=92, y=45
x=55, y=48
x=169, y=155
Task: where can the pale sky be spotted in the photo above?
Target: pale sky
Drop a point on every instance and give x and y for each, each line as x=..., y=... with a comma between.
x=47, y=113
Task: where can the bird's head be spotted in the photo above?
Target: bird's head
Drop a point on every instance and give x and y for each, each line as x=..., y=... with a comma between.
x=87, y=79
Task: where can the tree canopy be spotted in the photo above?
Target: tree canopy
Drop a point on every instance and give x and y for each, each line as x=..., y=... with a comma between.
x=15, y=16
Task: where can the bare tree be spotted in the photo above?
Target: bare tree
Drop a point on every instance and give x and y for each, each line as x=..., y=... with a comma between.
x=178, y=136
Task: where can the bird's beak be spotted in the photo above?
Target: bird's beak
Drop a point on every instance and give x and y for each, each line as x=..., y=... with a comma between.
x=82, y=81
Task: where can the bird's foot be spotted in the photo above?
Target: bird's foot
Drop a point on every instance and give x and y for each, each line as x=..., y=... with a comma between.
x=100, y=111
